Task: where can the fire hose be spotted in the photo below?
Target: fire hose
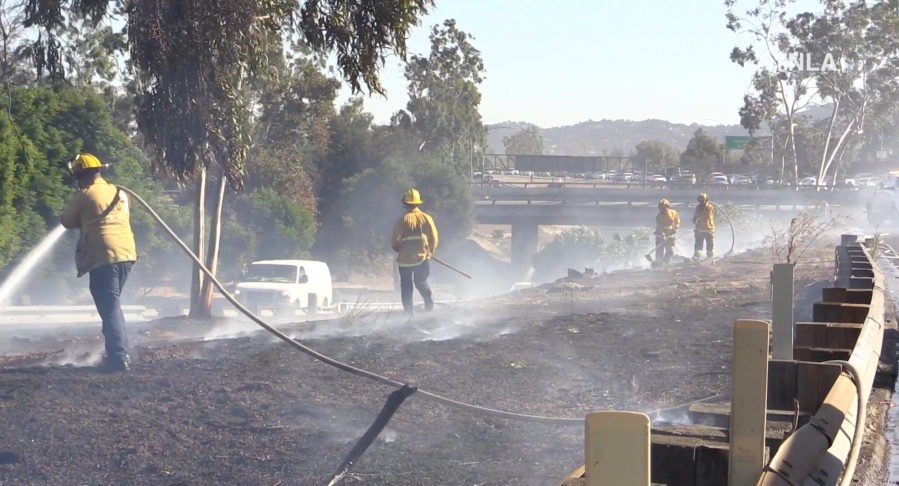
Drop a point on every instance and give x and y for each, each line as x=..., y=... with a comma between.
x=733, y=234
x=433, y=397
x=396, y=398
x=331, y=361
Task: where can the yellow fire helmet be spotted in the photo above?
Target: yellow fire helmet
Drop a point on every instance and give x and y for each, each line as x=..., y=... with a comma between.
x=84, y=161
x=412, y=196
x=664, y=203
x=703, y=197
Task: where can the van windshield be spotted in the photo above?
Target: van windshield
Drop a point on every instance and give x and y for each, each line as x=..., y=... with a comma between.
x=270, y=273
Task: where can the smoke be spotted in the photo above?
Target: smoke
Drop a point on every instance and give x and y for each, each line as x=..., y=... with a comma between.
x=231, y=329
x=677, y=416
x=76, y=357
x=440, y=326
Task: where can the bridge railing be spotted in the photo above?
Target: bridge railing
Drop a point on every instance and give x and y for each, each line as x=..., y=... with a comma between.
x=666, y=185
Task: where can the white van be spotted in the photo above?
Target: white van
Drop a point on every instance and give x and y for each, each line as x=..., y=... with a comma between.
x=281, y=283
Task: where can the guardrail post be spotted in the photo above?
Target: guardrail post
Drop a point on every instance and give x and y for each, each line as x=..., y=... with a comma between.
x=312, y=304
x=617, y=446
x=782, y=311
x=749, y=387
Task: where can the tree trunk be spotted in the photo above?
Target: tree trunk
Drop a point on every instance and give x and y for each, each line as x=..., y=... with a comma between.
x=197, y=276
x=795, y=155
x=212, y=254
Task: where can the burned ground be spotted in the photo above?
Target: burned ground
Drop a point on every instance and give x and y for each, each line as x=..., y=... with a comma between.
x=250, y=410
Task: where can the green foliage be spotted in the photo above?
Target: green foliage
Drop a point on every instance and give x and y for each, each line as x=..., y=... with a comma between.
x=447, y=198
x=703, y=154
x=284, y=228
x=444, y=96
x=360, y=223
x=582, y=247
x=292, y=133
x=54, y=124
x=656, y=153
x=525, y=142
x=194, y=57
x=744, y=223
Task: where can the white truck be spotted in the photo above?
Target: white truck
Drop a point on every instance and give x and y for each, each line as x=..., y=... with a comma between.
x=884, y=203
x=284, y=285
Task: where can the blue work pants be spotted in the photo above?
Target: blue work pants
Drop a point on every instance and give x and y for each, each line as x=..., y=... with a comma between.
x=106, y=284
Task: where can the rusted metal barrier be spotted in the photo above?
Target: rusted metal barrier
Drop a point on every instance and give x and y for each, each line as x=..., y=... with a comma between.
x=811, y=391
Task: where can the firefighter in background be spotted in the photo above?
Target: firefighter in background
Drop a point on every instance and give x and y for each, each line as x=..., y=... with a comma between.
x=105, y=250
x=704, y=221
x=415, y=241
x=667, y=224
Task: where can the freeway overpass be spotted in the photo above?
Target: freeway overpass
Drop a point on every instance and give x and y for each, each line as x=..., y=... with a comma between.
x=634, y=193
x=526, y=206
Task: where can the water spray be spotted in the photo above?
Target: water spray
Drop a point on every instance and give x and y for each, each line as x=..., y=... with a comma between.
x=21, y=272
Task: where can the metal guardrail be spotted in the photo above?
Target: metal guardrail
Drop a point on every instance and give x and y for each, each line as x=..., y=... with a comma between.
x=818, y=359
x=819, y=450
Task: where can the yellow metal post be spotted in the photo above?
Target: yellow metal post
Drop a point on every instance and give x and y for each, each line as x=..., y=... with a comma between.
x=617, y=449
x=749, y=403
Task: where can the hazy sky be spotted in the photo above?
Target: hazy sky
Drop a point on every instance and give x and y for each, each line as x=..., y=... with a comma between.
x=562, y=62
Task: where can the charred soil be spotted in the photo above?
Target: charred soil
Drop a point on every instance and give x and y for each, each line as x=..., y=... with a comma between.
x=252, y=411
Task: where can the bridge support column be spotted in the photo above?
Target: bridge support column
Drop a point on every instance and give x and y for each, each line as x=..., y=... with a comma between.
x=524, y=245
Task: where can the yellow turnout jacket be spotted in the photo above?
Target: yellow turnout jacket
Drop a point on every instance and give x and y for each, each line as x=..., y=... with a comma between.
x=667, y=222
x=106, y=235
x=704, y=218
x=414, y=238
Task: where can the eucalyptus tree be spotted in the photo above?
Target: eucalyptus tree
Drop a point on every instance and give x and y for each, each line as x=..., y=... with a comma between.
x=192, y=60
x=444, y=96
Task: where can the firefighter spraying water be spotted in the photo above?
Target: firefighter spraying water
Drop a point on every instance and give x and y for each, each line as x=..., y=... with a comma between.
x=105, y=251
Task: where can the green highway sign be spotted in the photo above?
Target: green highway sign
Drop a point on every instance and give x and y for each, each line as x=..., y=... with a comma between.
x=736, y=143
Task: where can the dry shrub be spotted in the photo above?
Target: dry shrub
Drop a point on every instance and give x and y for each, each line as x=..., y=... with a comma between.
x=788, y=244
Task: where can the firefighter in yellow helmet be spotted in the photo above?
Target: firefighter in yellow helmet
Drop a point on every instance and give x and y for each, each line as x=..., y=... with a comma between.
x=414, y=241
x=704, y=227
x=105, y=250
x=667, y=224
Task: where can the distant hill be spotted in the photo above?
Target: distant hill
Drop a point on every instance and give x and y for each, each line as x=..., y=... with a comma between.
x=594, y=137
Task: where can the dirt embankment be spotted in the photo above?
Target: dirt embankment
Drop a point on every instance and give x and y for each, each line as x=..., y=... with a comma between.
x=253, y=411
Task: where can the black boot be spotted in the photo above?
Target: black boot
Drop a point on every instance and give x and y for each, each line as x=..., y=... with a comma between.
x=116, y=365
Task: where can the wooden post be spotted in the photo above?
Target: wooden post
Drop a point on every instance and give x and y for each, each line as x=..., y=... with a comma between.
x=782, y=311
x=749, y=388
x=617, y=449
